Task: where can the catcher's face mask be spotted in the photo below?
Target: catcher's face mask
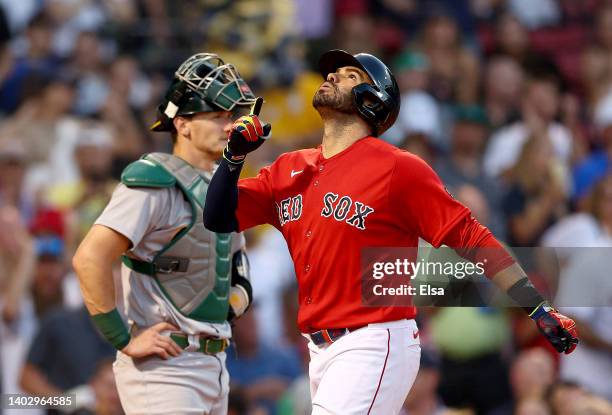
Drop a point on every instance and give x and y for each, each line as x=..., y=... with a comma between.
x=203, y=83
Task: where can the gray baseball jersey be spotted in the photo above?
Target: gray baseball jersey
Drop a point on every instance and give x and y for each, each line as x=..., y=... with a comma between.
x=150, y=218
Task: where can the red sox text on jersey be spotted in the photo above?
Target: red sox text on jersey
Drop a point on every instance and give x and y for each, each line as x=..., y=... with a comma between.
x=290, y=209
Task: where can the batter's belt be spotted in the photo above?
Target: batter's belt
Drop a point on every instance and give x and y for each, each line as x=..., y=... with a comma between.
x=328, y=336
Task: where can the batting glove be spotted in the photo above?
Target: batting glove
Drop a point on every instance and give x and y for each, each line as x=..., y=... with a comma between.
x=247, y=134
x=558, y=329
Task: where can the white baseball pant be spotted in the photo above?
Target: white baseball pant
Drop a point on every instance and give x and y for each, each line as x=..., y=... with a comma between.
x=368, y=371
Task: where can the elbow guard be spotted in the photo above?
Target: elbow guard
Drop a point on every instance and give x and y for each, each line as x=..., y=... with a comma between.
x=241, y=291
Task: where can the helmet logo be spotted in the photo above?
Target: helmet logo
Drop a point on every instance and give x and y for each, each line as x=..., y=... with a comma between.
x=171, y=110
x=245, y=88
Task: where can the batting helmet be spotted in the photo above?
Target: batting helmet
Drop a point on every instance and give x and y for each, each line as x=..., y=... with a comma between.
x=377, y=103
x=203, y=83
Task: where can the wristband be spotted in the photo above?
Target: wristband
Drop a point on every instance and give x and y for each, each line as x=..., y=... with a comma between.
x=526, y=296
x=112, y=328
x=541, y=310
x=233, y=160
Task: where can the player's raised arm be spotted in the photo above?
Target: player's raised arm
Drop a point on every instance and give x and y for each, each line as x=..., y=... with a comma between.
x=247, y=134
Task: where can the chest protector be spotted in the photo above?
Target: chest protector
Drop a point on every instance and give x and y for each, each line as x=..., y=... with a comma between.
x=193, y=269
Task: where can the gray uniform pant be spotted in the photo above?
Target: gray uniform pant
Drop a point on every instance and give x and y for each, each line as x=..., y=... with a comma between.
x=192, y=383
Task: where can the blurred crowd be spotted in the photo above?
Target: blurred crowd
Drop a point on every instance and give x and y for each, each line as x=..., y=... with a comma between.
x=510, y=101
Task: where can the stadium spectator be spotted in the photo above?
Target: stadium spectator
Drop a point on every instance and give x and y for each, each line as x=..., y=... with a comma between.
x=17, y=258
x=423, y=398
x=584, y=292
x=34, y=57
x=591, y=227
x=87, y=64
x=539, y=107
x=535, y=15
x=419, y=112
x=262, y=378
x=538, y=192
x=49, y=271
x=69, y=356
x=597, y=164
x=355, y=28
x=271, y=273
x=455, y=71
x=563, y=397
x=512, y=39
x=463, y=164
x=503, y=83
x=13, y=170
x=597, y=57
x=42, y=123
x=532, y=407
x=296, y=399
x=531, y=374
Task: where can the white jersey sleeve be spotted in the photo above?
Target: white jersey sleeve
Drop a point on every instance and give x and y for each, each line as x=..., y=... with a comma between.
x=136, y=212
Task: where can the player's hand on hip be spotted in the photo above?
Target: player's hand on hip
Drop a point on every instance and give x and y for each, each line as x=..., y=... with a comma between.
x=558, y=329
x=151, y=342
x=247, y=134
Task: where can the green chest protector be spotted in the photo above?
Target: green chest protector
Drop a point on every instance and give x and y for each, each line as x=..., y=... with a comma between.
x=193, y=269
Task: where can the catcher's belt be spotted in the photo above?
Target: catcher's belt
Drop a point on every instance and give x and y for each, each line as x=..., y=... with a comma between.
x=207, y=345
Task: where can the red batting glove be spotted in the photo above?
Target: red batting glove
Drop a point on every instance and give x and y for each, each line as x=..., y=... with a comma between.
x=247, y=134
x=558, y=329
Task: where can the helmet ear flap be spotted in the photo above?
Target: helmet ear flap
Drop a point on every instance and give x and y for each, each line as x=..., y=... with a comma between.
x=372, y=105
x=168, y=111
x=175, y=100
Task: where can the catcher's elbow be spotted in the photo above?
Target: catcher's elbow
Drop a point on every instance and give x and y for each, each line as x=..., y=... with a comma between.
x=77, y=262
x=81, y=261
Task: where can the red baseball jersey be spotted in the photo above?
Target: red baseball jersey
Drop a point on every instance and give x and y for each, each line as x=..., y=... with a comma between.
x=370, y=195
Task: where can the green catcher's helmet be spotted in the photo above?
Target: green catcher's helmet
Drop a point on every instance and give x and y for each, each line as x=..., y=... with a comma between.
x=203, y=83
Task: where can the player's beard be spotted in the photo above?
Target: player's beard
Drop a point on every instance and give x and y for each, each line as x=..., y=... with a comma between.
x=333, y=100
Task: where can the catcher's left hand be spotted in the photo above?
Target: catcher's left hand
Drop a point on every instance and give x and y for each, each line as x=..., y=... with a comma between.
x=558, y=329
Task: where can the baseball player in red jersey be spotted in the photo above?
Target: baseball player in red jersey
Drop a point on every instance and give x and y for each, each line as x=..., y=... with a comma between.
x=356, y=191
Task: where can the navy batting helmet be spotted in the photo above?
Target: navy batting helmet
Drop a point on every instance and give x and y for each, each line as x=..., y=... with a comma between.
x=203, y=83
x=377, y=103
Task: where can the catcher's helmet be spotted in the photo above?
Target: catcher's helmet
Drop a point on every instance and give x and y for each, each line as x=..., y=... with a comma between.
x=203, y=83
x=377, y=104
